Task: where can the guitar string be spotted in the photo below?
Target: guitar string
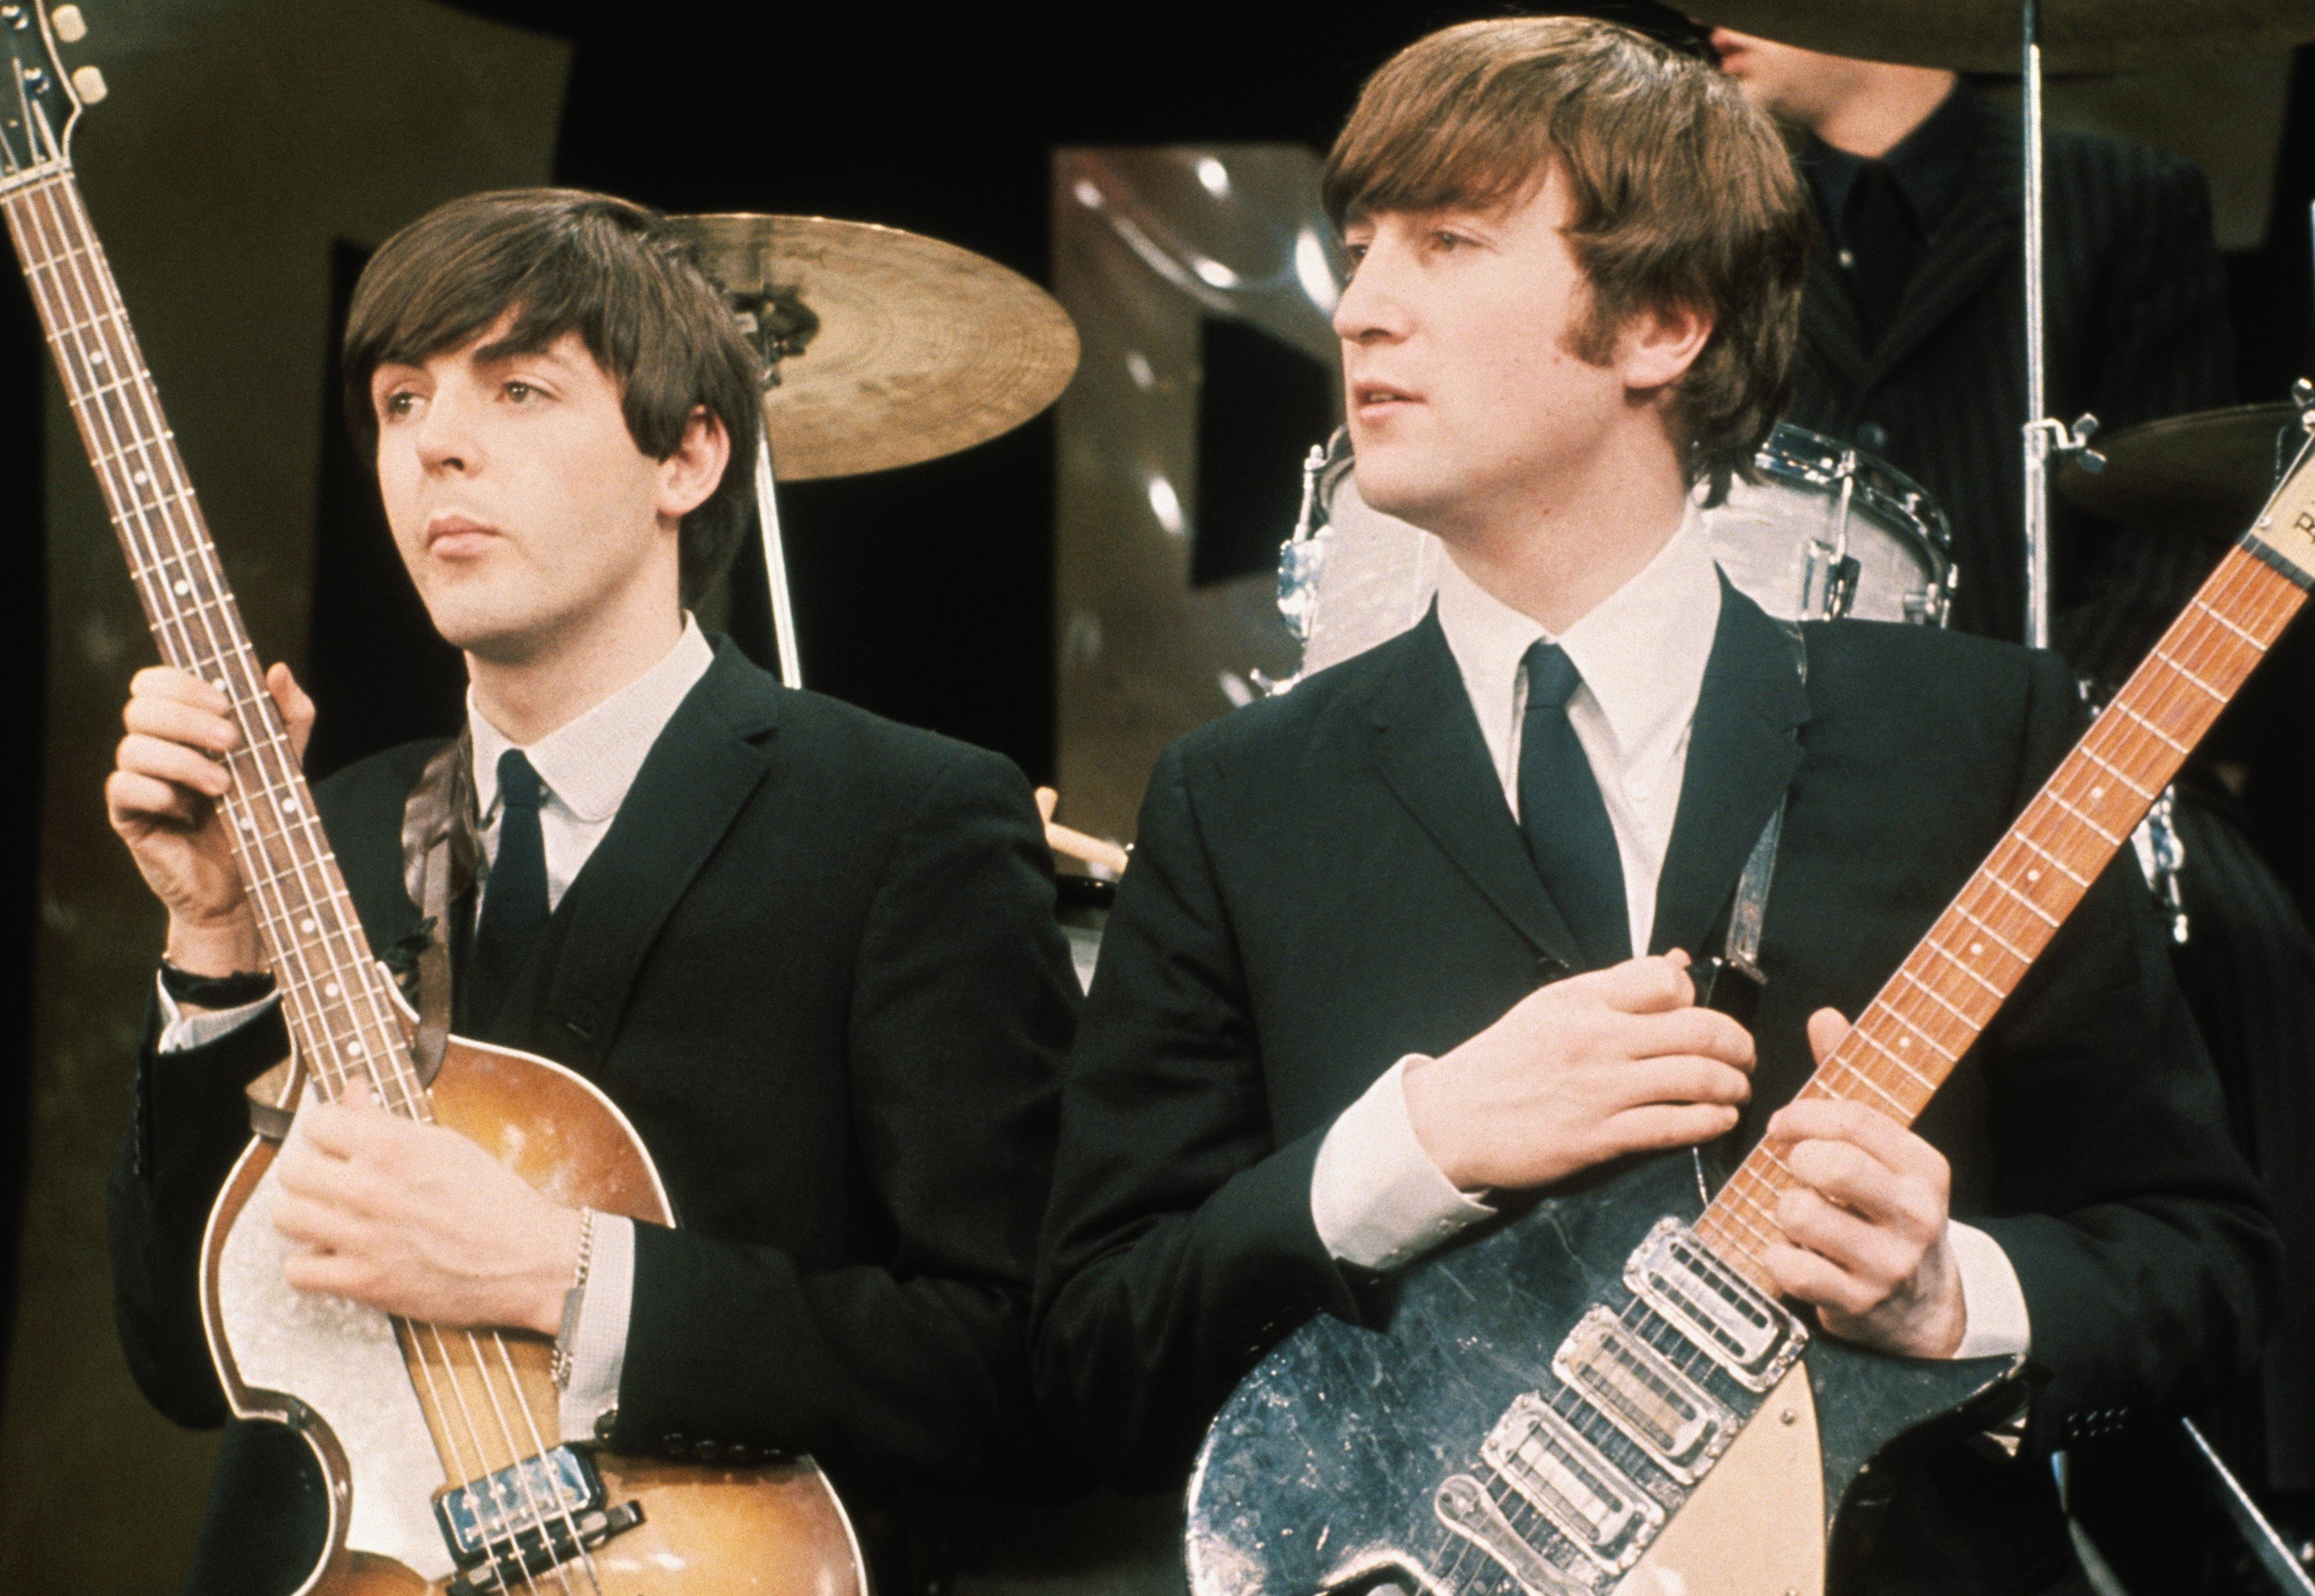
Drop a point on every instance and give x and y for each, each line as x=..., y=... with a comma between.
x=514, y=1461
x=133, y=517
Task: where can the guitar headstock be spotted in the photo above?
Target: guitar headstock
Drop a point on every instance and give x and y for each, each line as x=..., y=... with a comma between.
x=40, y=101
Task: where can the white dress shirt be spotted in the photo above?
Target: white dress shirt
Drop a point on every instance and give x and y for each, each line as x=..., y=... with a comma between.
x=1377, y=1198
x=586, y=766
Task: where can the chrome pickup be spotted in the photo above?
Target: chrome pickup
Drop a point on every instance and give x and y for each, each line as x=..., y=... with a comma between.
x=1544, y=1457
x=527, y=1520
x=1464, y=1506
x=1749, y=1334
x=1668, y=1415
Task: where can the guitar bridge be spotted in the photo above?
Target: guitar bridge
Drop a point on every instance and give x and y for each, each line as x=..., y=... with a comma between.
x=1749, y=1334
x=527, y=1520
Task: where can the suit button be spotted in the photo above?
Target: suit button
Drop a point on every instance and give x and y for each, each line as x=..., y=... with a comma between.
x=738, y=1453
x=1549, y=969
x=1872, y=435
x=671, y=1443
x=706, y=1451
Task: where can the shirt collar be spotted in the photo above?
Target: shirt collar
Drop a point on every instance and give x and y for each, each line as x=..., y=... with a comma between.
x=1641, y=652
x=1927, y=164
x=588, y=764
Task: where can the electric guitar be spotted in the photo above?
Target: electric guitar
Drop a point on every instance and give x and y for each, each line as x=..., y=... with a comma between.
x=1604, y=1393
x=441, y=1448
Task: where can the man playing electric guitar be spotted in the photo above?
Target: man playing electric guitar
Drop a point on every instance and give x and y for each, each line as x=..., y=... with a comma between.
x=1317, y=1045
x=812, y=954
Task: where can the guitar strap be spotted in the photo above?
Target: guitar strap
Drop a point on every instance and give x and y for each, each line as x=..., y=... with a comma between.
x=441, y=854
x=1732, y=983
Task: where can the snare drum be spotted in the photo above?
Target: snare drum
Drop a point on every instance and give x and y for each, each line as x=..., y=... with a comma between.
x=1826, y=531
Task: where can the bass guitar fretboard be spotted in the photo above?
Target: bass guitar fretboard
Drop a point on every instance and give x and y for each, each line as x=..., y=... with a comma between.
x=334, y=996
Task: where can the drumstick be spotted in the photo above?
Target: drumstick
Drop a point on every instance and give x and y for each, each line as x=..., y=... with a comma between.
x=1076, y=844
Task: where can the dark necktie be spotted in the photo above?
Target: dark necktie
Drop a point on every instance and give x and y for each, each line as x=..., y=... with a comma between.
x=1564, y=817
x=1884, y=246
x=514, y=897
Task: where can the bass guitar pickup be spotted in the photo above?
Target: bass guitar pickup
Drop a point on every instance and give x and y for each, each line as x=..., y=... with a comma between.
x=528, y=1519
x=1749, y=1334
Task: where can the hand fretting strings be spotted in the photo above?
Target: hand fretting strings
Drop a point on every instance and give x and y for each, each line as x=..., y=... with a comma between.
x=334, y=997
x=1933, y=1008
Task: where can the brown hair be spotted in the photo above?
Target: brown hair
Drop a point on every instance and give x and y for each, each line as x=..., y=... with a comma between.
x=1684, y=193
x=566, y=260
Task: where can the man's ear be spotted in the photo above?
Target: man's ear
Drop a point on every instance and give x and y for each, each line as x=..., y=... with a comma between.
x=690, y=474
x=1657, y=347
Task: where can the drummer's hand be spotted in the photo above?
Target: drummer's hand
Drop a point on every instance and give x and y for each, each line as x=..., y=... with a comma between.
x=1616, y=1061
x=1867, y=1225
x=417, y=1220
x=161, y=798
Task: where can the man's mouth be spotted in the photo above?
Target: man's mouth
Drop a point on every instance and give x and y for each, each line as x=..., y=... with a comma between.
x=452, y=535
x=1375, y=397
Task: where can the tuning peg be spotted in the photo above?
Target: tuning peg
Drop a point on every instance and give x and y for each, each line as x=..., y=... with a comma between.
x=88, y=83
x=70, y=25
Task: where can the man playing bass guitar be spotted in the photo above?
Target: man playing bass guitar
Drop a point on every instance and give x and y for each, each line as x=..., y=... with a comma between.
x=1411, y=941
x=810, y=954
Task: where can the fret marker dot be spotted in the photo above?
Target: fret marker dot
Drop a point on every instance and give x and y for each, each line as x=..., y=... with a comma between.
x=2033, y=875
x=355, y=1048
x=290, y=806
x=307, y=925
x=141, y=477
x=181, y=589
x=1904, y=1042
x=330, y=991
x=1976, y=948
x=2097, y=794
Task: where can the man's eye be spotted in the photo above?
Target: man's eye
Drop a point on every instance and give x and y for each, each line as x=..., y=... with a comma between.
x=519, y=391
x=400, y=404
x=1445, y=240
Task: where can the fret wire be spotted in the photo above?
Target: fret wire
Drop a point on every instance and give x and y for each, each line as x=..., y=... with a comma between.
x=1918, y=1020
x=2222, y=618
x=2052, y=860
x=2136, y=791
x=1905, y=974
x=2101, y=832
x=1886, y=1004
x=1866, y=1038
x=1947, y=954
x=1905, y=1110
x=2039, y=913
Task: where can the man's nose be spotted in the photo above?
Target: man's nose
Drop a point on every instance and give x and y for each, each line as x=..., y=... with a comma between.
x=446, y=437
x=1372, y=309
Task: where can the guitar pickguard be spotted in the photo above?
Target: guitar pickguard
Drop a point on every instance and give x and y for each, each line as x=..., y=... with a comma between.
x=341, y=1361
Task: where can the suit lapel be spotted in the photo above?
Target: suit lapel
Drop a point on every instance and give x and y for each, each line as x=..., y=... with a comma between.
x=1742, y=752
x=1428, y=751
x=712, y=756
x=1978, y=236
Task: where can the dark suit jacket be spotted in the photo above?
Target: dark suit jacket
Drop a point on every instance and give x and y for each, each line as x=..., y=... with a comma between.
x=1326, y=881
x=815, y=962
x=2137, y=329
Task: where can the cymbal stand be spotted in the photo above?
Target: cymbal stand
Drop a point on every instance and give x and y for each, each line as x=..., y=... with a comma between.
x=775, y=565
x=2046, y=439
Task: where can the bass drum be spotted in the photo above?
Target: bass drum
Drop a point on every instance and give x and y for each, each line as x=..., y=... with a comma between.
x=1824, y=531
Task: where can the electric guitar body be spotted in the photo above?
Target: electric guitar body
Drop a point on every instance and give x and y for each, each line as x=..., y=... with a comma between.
x=1603, y=1393
x=1338, y=1465
x=397, y=1413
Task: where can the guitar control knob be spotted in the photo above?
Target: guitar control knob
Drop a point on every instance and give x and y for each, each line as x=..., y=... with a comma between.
x=70, y=25
x=88, y=83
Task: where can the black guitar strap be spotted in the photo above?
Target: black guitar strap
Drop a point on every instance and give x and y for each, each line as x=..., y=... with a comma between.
x=1732, y=982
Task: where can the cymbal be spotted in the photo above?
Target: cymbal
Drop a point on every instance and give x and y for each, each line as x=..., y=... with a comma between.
x=2202, y=475
x=2078, y=36
x=890, y=347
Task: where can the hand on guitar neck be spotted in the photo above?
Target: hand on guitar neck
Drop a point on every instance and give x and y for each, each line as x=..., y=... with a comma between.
x=161, y=798
x=1619, y=1061
x=411, y=1218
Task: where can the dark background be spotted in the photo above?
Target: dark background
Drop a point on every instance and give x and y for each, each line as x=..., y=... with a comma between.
x=924, y=594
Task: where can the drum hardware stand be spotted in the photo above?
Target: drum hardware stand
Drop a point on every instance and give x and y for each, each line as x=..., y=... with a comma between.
x=2046, y=439
x=776, y=563
x=1832, y=568
x=1300, y=558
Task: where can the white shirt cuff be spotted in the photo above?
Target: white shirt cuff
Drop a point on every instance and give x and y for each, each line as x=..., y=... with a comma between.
x=181, y=1033
x=599, y=1333
x=1379, y=1200
x=1993, y=1304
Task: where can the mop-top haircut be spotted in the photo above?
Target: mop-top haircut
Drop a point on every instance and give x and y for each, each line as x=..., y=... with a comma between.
x=1683, y=194
x=566, y=260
